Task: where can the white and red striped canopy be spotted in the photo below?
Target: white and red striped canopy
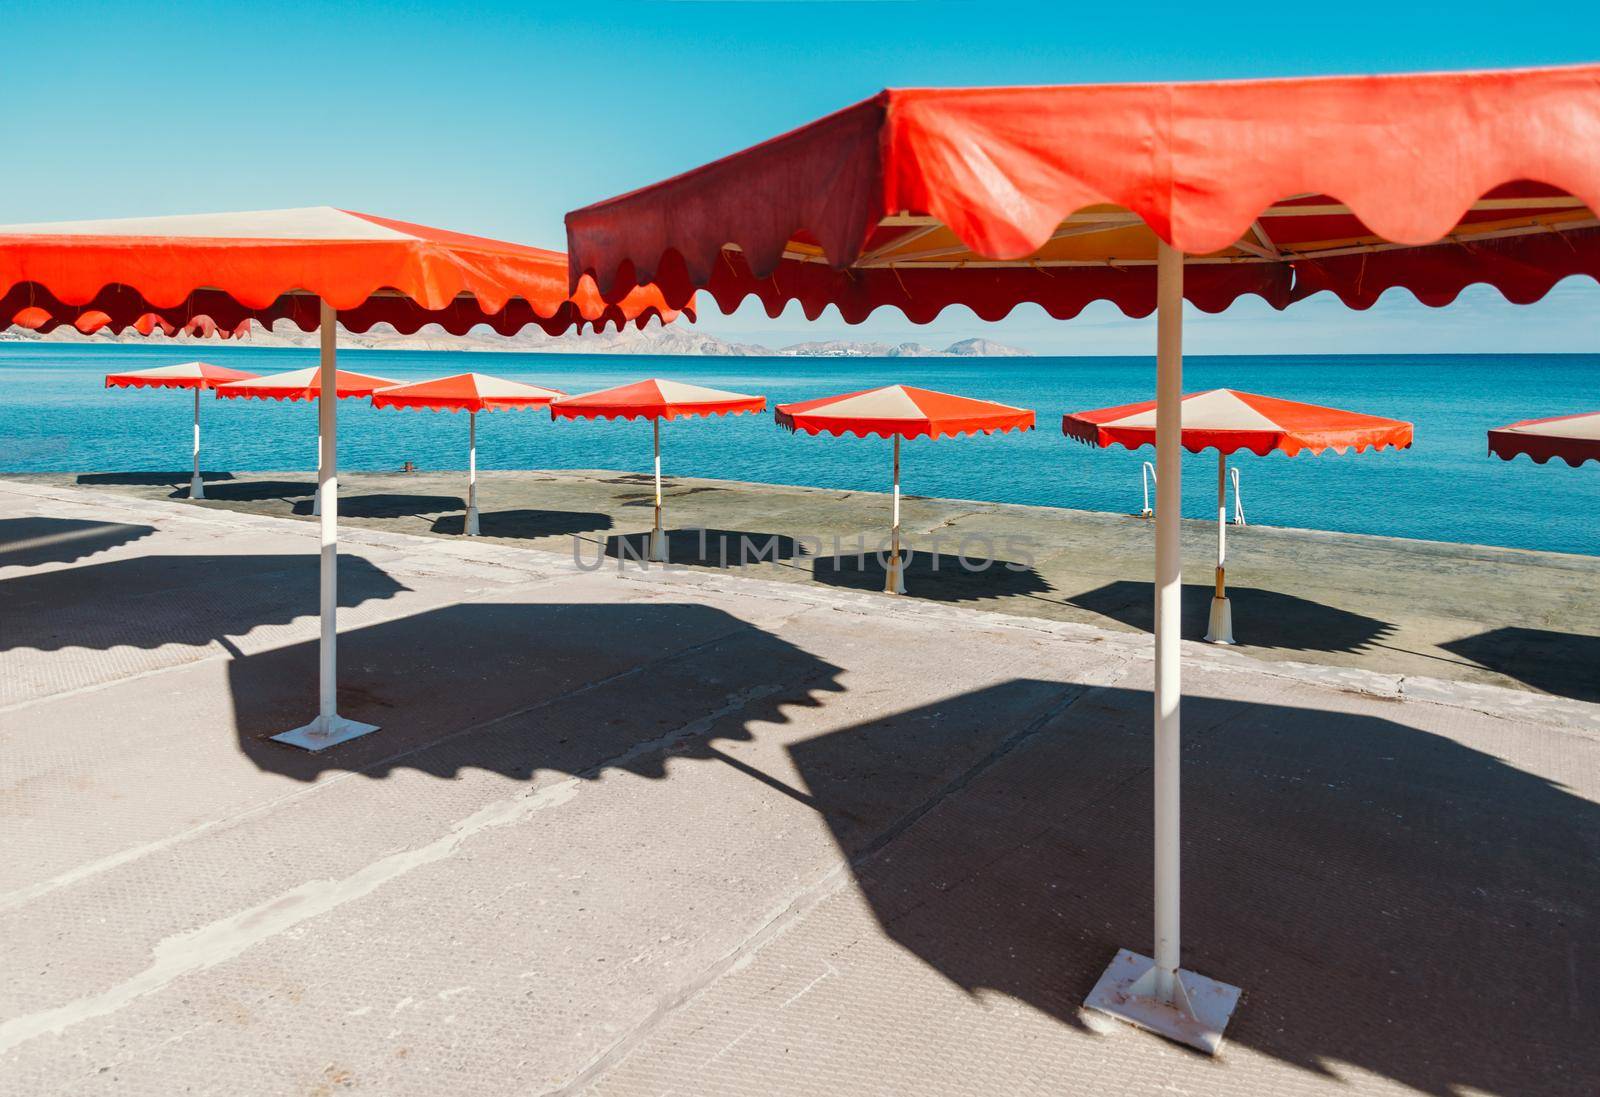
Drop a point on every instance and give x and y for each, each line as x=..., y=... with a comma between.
x=655, y=399
x=1573, y=438
x=186, y=375
x=303, y=384
x=1229, y=421
x=904, y=411
x=465, y=392
x=160, y=273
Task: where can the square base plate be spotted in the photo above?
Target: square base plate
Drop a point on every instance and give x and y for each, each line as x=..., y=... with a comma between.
x=1211, y=1002
x=318, y=735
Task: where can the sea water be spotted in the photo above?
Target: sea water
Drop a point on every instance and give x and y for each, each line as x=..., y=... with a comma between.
x=56, y=416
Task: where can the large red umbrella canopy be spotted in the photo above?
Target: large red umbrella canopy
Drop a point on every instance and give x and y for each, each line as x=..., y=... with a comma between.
x=989, y=197
x=186, y=375
x=470, y=392
x=303, y=384
x=901, y=411
x=1229, y=421
x=1144, y=195
x=318, y=268
x=1573, y=438
x=160, y=273
x=655, y=399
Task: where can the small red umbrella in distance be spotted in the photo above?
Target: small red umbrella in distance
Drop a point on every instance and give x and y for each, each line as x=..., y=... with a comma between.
x=471, y=393
x=186, y=375
x=1573, y=438
x=900, y=411
x=303, y=384
x=1229, y=421
x=655, y=399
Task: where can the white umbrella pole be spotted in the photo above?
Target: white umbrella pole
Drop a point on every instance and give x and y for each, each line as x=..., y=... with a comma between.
x=894, y=580
x=1168, y=609
x=471, y=526
x=1219, y=630
x=658, y=539
x=1155, y=994
x=316, y=496
x=196, y=488
x=329, y=727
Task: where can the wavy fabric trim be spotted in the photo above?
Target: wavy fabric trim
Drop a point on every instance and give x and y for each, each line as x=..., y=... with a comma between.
x=1004, y=168
x=208, y=312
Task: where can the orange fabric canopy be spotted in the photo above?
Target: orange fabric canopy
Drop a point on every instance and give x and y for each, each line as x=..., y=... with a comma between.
x=187, y=375
x=303, y=384
x=655, y=399
x=1229, y=421
x=989, y=197
x=465, y=392
x=1573, y=438
x=160, y=273
x=901, y=410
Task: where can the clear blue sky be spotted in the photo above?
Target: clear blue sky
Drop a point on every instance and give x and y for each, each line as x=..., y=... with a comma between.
x=497, y=118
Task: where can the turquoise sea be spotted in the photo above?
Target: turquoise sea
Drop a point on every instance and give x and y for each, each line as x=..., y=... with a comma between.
x=55, y=415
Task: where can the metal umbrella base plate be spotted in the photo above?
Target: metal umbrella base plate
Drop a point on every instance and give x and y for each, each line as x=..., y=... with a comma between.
x=1126, y=991
x=323, y=733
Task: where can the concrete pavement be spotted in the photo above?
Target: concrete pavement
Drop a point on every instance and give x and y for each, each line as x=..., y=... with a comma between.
x=1469, y=613
x=695, y=832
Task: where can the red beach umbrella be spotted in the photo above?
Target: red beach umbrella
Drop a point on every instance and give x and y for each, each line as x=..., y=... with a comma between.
x=1143, y=195
x=900, y=411
x=471, y=393
x=303, y=384
x=1573, y=438
x=1229, y=421
x=316, y=268
x=655, y=399
x=186, y=375
x=269, y=265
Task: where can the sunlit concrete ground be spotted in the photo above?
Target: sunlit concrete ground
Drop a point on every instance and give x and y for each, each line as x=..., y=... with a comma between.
x=694, y=832
x=1465, y=613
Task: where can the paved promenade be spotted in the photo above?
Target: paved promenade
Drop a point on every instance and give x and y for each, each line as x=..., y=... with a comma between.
x=1466, y=613
x=701, y=832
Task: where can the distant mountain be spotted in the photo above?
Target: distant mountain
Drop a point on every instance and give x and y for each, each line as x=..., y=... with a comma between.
x=655, y=339
x=984, y=348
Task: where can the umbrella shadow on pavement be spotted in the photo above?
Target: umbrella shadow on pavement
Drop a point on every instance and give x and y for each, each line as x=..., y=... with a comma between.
x=1566, y=664
x=944, y=577
x=386, y=505
x=714, y=548
x=1387, y=897
x=177, y=481
x=149, y=602
x=28, y=542
x=516, y=688
x=527, y=524
x=255, y=491
x=1261, y=618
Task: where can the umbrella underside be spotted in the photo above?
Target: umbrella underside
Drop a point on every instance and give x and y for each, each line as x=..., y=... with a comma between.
x=990, y=197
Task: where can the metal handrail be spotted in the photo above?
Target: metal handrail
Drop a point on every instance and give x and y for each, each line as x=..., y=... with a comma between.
x=1147, y=476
